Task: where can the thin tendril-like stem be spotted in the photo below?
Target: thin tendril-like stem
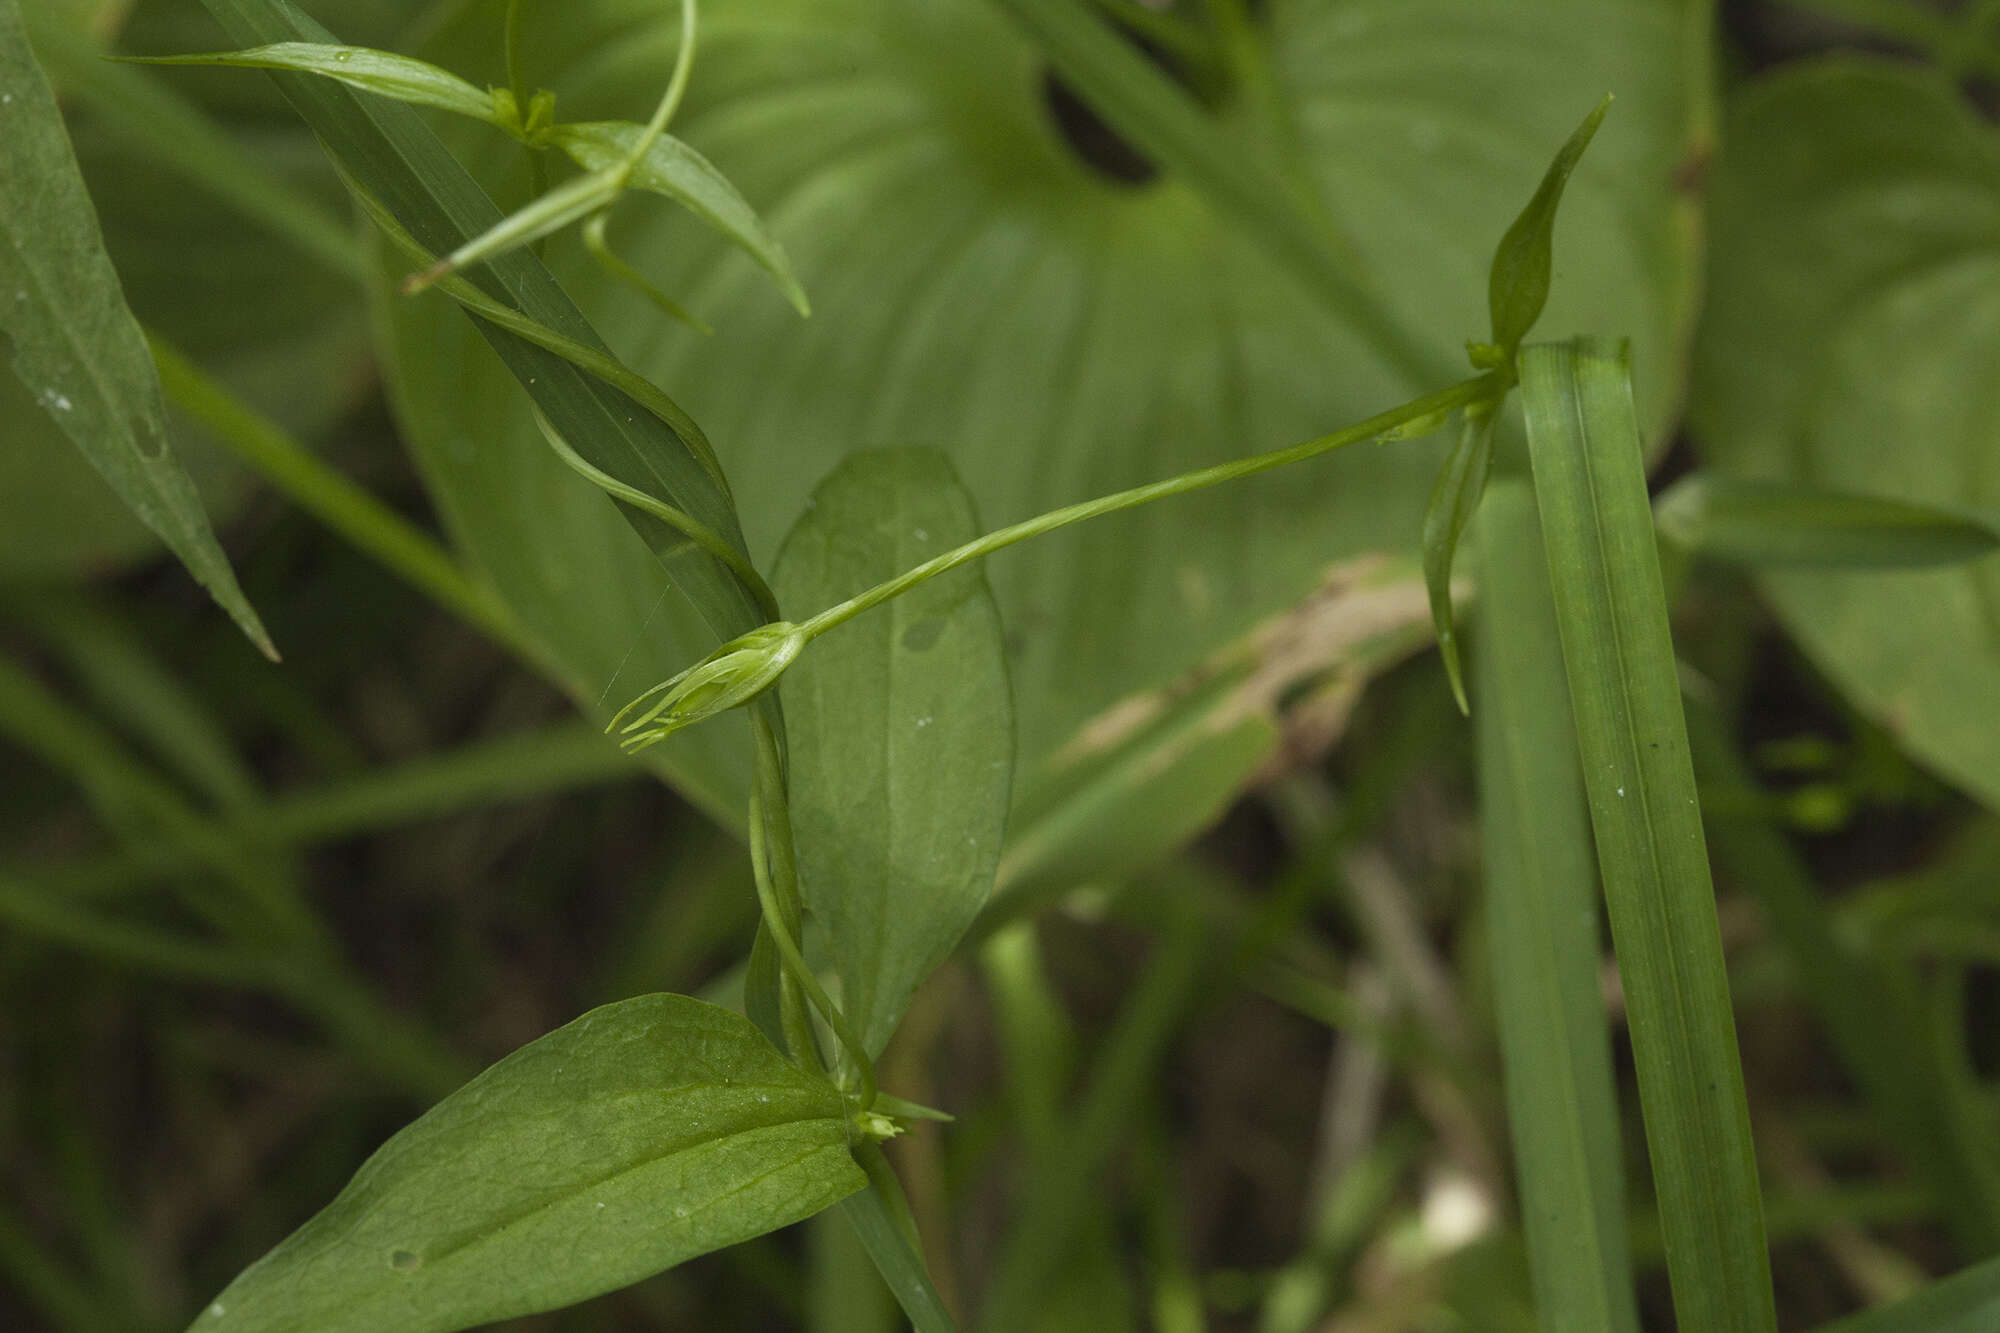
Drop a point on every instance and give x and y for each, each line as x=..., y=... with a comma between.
x=670, y=101
x=694, y=530
x=793, y=961
x=1443, y=400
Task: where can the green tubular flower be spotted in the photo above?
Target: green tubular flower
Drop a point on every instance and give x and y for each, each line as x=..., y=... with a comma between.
x=727, y=678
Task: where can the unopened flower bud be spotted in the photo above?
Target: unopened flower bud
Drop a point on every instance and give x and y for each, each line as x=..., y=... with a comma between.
x=727, y=678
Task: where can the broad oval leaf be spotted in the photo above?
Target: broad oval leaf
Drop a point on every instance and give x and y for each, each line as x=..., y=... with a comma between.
x=71, y=338
x=902, y=729
x=641, y=1135
x=978, y=286
x=1850, y=345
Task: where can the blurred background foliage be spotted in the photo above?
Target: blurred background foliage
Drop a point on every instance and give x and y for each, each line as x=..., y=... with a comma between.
x=253, y=917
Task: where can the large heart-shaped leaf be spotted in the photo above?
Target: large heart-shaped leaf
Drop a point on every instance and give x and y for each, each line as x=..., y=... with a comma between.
x=1851, y=344
x=902, y=730
x=978, y=286
x=638, y=1136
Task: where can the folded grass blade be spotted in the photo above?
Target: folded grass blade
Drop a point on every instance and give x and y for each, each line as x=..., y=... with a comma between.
x=1597, y=531
x=1542, y=922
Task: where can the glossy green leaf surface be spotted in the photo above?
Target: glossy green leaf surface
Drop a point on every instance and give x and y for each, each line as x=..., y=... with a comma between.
x=902, y=729
x=1850, y=345
x=638, y=1136
x=977, y=285
x=229, y=236
x=1763, y=523
x=383, y=73
x=70, y=336
x=1611, y=609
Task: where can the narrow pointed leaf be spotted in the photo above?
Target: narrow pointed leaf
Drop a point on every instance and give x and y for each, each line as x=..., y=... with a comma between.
x=1454, y=499
x=1543, y=922
x=677, y=171
x=902, y=730
x=1773, y=523
x=383, y=73
x=1518, y=286
x=641, y=1135
x=1597, y=529
x=880, y=1217
x=68, y=333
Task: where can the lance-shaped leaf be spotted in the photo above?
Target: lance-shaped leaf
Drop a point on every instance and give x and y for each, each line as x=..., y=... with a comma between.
x=677, y=171
x=1776, y=523
x=70, y=336
x=902, y=730
x=642, y=1134
x=1518, y=286
x=1454, y=499
x=404, y=78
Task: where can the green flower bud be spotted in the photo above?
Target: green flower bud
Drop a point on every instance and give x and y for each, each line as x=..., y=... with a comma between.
x=727, y=678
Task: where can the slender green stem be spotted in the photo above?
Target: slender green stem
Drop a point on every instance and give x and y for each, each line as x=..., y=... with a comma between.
x=599, y=245
x=698, y=533
x=776, y=870
x=795, y=962
x=1444, y=400
x=670, y=101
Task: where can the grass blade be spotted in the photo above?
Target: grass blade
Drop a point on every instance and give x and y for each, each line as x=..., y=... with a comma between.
x=1541, y=905
x=66, y=329
x=1597, y=531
